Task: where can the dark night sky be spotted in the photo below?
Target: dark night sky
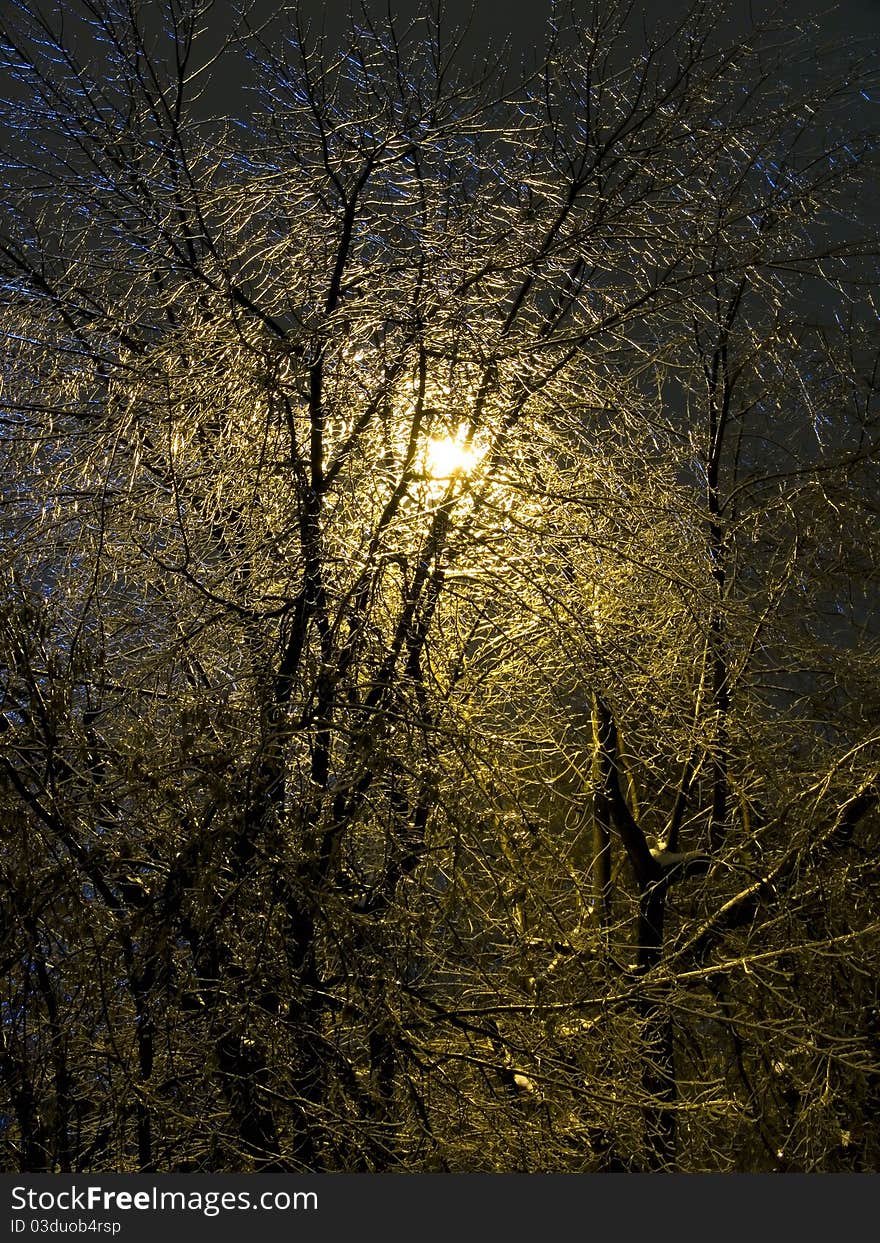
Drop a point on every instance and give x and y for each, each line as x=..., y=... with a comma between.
x=521, y=22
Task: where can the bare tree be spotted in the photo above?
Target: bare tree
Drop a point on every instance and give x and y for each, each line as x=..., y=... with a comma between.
x=439, y=677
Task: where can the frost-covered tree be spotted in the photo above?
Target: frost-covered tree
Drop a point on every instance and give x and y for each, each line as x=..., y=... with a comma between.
x=438, y=664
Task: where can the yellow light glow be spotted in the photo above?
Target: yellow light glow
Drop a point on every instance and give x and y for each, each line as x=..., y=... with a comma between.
x=448, y=456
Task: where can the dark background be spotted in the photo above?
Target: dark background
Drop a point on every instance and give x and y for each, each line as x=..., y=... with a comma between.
x=517, y=28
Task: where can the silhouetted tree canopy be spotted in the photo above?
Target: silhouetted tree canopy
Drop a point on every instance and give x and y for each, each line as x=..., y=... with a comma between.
x=439, y=666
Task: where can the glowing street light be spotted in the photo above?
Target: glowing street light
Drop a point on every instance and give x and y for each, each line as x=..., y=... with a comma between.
x=451, y=455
